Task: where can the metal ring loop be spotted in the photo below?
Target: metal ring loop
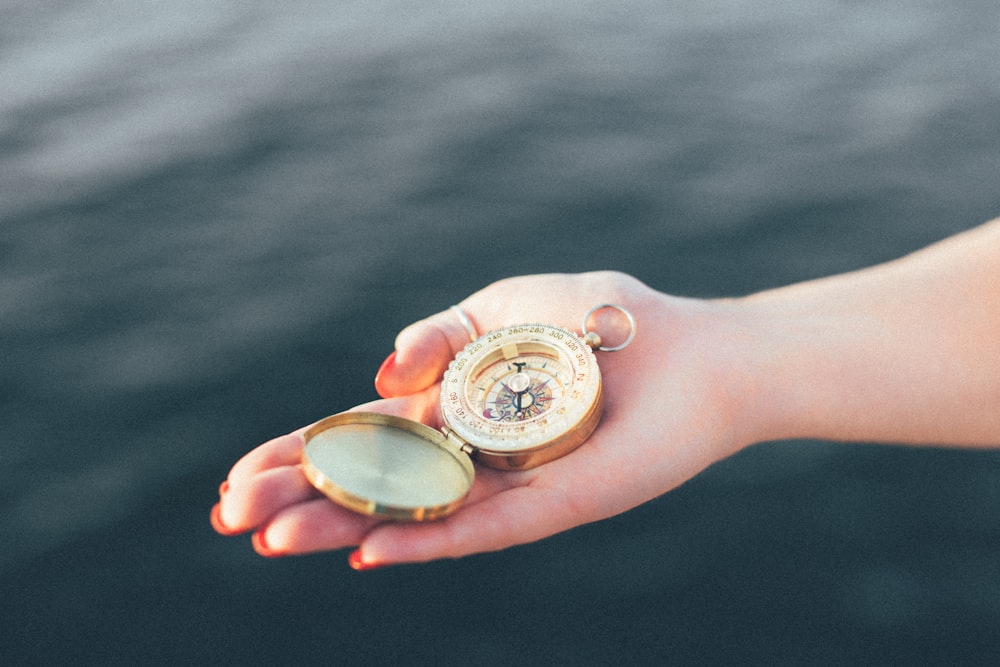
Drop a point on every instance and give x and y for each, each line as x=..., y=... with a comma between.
x=621, y=309
x=466, y=322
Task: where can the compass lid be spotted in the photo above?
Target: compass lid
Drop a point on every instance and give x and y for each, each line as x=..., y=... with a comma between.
x=387, y=466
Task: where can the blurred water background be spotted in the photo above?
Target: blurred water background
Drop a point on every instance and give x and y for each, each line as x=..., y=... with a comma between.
x=214, y=218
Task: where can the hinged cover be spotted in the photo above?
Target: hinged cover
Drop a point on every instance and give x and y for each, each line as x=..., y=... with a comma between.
x=388, y=466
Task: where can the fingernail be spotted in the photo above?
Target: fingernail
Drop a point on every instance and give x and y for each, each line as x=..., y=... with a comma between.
x=215, y=517
x=386, y=366
x=261, y=547
x=357, y=563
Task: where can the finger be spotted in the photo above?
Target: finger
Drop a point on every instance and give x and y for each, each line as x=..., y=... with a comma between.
x=250, y=503
x=423, y=351
x=318, y=525
x=285, y=450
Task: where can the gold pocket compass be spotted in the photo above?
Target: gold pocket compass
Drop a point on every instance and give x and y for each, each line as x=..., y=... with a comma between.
x=512, y=399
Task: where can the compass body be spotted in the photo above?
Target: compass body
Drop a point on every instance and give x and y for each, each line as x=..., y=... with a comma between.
x=523, y=395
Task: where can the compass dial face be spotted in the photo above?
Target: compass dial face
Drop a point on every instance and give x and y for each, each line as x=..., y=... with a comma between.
x=523, y=389
x=517, y=390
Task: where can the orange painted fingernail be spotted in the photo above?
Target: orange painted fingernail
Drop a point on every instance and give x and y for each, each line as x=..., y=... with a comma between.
x=359, y=565
x=261, y=547
x=386, y=367
x=215, y=517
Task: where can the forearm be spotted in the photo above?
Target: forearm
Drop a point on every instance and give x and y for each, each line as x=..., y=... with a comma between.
x=907, y=351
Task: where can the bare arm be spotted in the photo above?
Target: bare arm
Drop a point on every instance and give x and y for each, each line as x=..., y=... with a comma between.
x=907, y=351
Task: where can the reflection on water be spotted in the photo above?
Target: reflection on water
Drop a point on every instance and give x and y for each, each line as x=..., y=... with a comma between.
x=215, y=218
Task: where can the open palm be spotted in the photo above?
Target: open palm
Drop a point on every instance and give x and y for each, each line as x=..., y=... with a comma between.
x=666, y=418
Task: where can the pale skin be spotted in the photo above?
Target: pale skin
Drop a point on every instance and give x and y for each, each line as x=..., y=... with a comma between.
x=903, y=352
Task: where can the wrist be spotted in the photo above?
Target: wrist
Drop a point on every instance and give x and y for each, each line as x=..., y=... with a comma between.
x=778, y=362
x=748, y=373
x=709, y=351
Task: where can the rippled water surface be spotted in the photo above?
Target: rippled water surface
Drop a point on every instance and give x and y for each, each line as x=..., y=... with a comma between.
x=214, y=217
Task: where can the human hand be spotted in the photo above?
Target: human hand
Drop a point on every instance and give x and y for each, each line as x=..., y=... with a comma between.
x=669, y=401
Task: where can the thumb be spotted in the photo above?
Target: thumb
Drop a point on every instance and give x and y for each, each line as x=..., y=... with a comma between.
x=423, y=351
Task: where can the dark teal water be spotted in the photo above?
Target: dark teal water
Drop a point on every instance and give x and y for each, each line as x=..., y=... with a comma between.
x=215, y=217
